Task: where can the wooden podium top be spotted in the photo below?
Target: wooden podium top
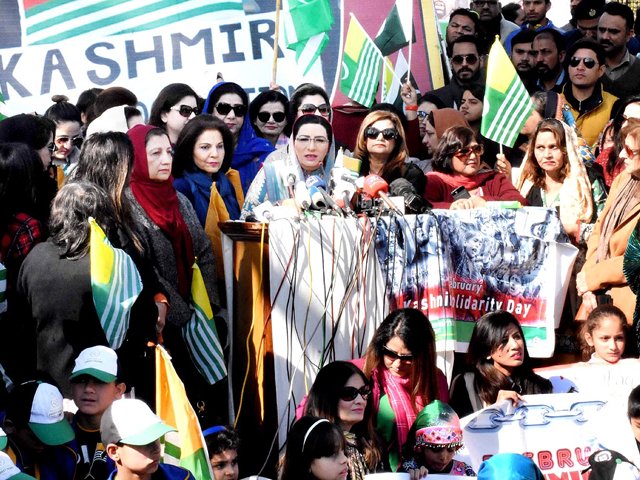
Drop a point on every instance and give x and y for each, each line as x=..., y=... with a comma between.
x=245, y=231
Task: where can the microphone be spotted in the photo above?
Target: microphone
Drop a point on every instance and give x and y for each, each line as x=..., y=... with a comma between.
x=375, y=186
x=401, y=187
x=319, y=196
x=301, y=196
x=289, y=176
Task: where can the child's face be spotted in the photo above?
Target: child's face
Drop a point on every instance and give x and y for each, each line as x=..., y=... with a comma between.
x=137, y=459
x=635, y=427
x=330, y=468
x=26, y=440
x=607, y=339
x=225, y=465
x=436, y=460
x=92, y=396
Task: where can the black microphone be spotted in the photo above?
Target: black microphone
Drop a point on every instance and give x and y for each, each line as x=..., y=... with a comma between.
x=401, y=187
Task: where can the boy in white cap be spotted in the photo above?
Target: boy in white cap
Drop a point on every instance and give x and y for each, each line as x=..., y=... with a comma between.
x=38, y=434
x=8, y=471
x=94, y=386
x=132, y=433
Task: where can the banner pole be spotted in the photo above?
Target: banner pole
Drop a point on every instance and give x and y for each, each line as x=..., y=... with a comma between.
x=276, y=37
x=410, y=46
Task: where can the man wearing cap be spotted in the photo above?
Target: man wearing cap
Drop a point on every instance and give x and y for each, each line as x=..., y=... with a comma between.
x=94, y=387
x=38, y=434
x=615, y=29
x=132, y=433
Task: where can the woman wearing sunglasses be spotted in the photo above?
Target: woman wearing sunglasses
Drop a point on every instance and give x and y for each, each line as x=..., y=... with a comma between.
x=499, y=366
x=229, y=102
x=306, y=155
x=602, y=274
x=382, y=148
x=174, y=106
x=68, y=137
x=457, y=167
x=340, y=393
x=401, y=363
x=268, y=113
x=203, y=174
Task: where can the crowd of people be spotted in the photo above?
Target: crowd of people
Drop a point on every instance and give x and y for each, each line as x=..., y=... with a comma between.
x=158, y=188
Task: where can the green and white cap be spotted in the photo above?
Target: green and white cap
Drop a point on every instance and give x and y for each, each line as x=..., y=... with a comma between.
x=8, y=471
x=131, y=422
x=47, y=416
x=3, y=439
x=99, y=362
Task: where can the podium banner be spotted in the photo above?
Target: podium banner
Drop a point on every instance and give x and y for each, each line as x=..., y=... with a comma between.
x=458, y=265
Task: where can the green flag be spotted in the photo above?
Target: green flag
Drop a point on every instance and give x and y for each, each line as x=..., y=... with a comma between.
x=397, y=28
x=507, y=104
x=306, y=27
x=361, y=65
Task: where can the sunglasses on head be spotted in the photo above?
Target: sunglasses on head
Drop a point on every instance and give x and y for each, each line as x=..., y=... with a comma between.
x=396, y=356
x=350, y=393
x=467, y=151
x=185, y=110
x=588, y=62
x=225, y=108
x=309, y=108
x=277, y=116
x=471, y=59
x=387, y=133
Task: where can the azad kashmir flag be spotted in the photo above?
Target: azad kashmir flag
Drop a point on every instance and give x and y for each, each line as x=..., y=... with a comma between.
x=507, y=104
x=115, y=284
x=185, y=447
x=306, y=29
x=361, y=65
x=397, y=29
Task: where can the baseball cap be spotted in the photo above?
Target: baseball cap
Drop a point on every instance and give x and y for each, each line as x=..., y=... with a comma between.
x=99, y=362
x=3, y=439
x=131, y=422
x=39, y=406
x=8, y=471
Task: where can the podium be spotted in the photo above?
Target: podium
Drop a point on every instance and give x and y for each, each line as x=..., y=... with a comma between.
x=252, y=399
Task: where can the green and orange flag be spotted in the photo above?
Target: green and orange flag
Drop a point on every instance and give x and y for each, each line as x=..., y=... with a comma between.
x=507, y=104
x=186, y=446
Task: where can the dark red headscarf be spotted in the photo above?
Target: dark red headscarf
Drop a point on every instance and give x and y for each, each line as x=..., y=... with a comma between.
x=160, y=201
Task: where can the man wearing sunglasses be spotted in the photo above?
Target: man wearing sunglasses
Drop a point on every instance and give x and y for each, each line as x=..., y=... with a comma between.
x=590, y=105
x=615, y=30
x=465, y=68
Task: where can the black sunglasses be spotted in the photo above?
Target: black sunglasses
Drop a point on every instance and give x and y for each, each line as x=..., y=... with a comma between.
x=387, y=133
x=350, y=393
x=62, y=140
x=471, y=59
x=396, y=355
x=277, y=116
x=185, y=110
x=309, y=108
x=225, y=108
x=422, y=114
x=589, y=63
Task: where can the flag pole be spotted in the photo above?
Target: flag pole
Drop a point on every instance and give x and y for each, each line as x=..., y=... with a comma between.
x=410, y=46
x=276, y=36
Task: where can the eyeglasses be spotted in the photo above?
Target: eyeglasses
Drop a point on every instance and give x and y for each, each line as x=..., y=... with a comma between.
x=185, y=110
x=64, y=139
x=225, y=108
x=309, y=108
x=318, y=141
x=350, y=393
x=466, y=152
x=396, y=356
x=422, y=114
x=471, y=59
x=277, y=116
x=589, y=63
x=387, y=133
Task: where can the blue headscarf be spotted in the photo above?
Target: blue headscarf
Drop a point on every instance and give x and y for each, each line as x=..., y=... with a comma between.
x=248, y=147
x=509, y=466
x=200, y=184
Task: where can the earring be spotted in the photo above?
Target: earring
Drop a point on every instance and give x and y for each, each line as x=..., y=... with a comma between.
x=488, y=357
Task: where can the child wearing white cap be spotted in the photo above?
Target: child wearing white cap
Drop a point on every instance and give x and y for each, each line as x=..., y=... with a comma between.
x=8, y=471
x=38, y=434
x=94, y=386
x=132, y=433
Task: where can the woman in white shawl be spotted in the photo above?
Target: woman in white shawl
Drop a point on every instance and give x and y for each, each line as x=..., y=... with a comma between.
x=306, y=155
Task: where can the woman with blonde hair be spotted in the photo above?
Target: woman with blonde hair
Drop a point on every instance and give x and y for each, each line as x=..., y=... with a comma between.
x=382, y=148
